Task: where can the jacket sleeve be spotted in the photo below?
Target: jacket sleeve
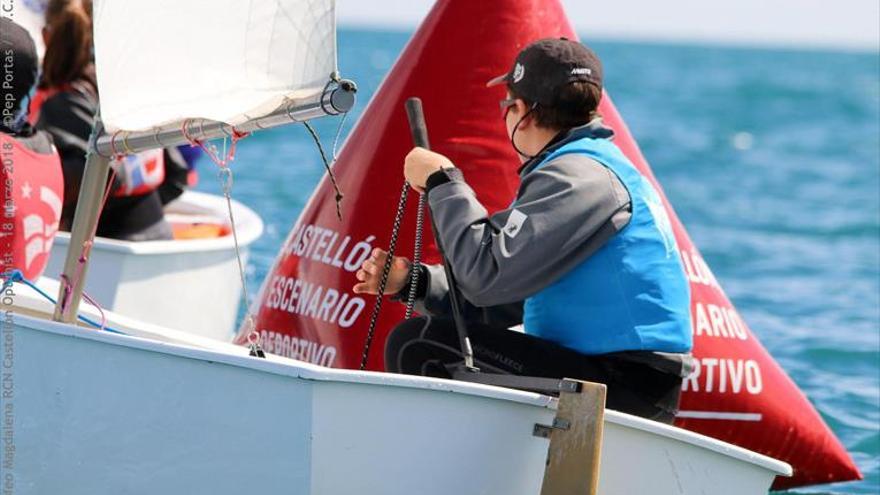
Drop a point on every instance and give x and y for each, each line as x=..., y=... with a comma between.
x=564, y=212
x=433, y=299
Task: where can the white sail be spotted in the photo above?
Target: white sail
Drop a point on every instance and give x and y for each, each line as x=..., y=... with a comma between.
x=162, y=61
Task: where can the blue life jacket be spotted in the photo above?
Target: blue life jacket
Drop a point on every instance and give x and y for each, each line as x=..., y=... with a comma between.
x=631, y=294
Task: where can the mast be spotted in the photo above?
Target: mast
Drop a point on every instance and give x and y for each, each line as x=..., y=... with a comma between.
x=85, y=219
x=337, y=98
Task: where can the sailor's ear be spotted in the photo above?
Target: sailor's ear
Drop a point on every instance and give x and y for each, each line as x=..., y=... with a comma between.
x=521, y=107
x=526, y=113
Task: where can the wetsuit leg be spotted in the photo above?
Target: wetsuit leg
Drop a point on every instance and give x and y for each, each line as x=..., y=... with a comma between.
x=425, y=345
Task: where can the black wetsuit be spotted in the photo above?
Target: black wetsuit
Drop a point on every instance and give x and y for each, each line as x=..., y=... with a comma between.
x=68, y=117
x=644, y=384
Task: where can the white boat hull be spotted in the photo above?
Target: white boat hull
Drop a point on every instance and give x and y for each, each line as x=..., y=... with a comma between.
x=134, y=418
x=96, y=413
x=643, y=457
x=191, y=284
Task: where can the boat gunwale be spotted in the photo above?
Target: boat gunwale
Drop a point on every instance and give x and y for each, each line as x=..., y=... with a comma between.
x=282, y=366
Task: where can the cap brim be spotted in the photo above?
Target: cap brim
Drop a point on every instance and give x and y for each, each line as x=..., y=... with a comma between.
x=502, y=79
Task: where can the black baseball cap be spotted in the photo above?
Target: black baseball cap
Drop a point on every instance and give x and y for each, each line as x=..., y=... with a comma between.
x=18, y=78
x=544, y=67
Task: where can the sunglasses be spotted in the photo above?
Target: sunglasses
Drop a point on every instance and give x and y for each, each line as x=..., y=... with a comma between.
x=505, y=106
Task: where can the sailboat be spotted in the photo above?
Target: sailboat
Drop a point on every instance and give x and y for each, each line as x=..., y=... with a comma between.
x=190, y=282
x=95, y=402
x=738, y=393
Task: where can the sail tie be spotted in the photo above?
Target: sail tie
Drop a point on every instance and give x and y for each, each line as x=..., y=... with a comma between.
x=210, y=149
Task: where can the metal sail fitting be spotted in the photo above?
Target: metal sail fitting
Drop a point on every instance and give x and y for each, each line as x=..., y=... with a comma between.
x=337, y=98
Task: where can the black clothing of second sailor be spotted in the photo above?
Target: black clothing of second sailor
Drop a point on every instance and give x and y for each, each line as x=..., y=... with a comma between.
x=68, y=116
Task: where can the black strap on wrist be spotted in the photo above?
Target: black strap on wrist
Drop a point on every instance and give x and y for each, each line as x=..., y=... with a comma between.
x=443, y=176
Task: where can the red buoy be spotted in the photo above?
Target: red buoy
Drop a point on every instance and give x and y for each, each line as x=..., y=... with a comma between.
x=306, y=309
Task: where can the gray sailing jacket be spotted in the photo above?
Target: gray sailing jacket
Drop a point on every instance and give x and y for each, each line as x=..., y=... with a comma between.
x=563, y=213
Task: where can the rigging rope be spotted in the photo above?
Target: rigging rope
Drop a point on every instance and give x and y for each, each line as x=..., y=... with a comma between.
x=327, y=164
x=383, y=281
x=417, y=258
x=386, y=269
x=15, y=275
x=420, y=137
x=225, y=177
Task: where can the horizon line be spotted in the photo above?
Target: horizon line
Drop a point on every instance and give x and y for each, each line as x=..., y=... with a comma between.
x=847, y=46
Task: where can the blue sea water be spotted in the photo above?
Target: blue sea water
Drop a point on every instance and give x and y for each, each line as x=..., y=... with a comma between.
x=771, y=159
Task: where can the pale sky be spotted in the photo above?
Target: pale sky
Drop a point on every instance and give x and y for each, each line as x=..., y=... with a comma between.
x=814, y=23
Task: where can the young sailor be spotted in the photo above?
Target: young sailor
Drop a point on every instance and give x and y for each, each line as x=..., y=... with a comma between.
x=584, y=257
x=65, y=104
x=31, y=170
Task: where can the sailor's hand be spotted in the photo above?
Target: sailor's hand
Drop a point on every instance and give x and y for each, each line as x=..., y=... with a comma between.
x=421, y=163
x=370, y=274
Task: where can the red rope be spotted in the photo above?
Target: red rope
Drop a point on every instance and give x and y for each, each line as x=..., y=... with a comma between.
x=97, y=306
x=86, y=248
x=186, y=135
x=210, y=149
